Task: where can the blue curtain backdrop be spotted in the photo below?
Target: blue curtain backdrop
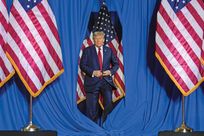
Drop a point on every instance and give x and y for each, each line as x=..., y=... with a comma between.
x=152, y=101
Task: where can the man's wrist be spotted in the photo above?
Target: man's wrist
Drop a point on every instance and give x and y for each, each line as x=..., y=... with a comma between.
x=92, y=74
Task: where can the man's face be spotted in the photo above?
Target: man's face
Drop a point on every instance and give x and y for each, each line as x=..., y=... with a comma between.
x=98, y=40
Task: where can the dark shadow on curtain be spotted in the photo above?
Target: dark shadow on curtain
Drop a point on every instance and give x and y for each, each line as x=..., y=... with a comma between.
x=155, y=67
x=24, y=92
x=202, y=87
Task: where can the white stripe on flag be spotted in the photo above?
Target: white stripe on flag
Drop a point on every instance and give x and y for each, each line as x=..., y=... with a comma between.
x=176, y=43
x=3, y=10
x=28, y=45
x=193, y=22
x=2, y=75
x=6, y=61
x=48, y=32
x=171, y=59
x=3, y=32
x=40, y=42
x=25, y=65
x=49, y=10
x=198, y=7
x=182, y=29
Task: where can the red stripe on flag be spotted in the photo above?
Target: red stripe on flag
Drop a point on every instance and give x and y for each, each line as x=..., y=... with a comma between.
x=171, y=69
x=89, y=42
x=81, y=85
x=110, y=44
x=21, y=69
x=116, y=94
x=48, y=45
x=195, y=14
x=201, y=3
x=178, y=56
x=117, y=77
x=3, y=21
x=182, y=39
x=26, y=54
x=78, y=97
x=4, y=2
x=2, y=65
x=83, y=47
x=49, y=21
x=120, y=48
x=189, y=28
x=115, y=52
x=2, y=43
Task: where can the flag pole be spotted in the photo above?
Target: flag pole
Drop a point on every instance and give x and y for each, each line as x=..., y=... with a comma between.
x=31, y=127
x=183, y=128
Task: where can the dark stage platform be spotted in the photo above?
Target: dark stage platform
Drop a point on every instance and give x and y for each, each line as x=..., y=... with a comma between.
x=22, y=133
x=172, y=133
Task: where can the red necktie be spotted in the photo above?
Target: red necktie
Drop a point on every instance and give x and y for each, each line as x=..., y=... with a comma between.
x=100, y=58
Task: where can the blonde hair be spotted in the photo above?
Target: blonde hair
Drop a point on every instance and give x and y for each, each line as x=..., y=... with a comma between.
x=98, y=33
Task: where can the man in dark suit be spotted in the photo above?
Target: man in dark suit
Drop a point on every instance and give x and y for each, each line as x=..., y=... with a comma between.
x=99, y=64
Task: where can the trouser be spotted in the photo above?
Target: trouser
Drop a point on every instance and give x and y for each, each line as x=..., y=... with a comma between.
x=92, y=105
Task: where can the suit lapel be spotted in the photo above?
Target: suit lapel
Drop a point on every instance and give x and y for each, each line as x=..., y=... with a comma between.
x=95, y=56
x=104, y=54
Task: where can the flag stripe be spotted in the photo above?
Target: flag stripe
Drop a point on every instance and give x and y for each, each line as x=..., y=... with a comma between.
x=115, y=94
x=119, y=80
x=15, y=61
x=52, y=41
x=178, y=31
x=37, y=61
x=30, y=38
x=115, y=52
x=4, y=10
x=3, y=21
x=25, y=51
x=191, y=25
x=5, y=70
x=176, y=76
x=46, y=48
x=174, y=62
x=81, y=85
x=22, y=64
x=200, y=7
x=5, y=60
x=195, y=12
x=178, y=53
x=49, y=21
x=2, y=43
x=179, y=38
x=183, y=37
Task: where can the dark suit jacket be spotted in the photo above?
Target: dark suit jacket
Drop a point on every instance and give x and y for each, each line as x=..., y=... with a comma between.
x=89, y=62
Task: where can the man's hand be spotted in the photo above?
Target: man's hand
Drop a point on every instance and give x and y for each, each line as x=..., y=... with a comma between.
x=97, y=73
x=107, y=73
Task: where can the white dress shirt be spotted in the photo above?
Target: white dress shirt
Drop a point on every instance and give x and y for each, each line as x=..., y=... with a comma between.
x=101, y=51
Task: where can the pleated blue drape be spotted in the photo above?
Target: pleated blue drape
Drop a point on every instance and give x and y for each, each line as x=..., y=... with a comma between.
x=152, y=101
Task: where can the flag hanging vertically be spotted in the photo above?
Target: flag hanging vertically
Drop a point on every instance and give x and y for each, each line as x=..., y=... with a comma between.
x=103, y=23
x=179, y=38
x=6, y=69
x=34, y=44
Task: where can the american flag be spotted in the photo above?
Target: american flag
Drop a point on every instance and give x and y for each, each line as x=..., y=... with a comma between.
x=34, y=44
x=6, y=69
x=179, y=38
x=103, y=23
